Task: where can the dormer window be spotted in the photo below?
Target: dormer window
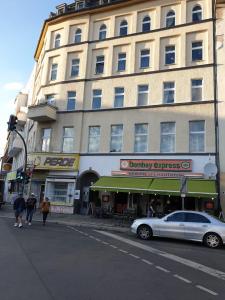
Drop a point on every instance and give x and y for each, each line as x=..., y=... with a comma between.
x=171, y=19
x=57, y=40
x=78, y=35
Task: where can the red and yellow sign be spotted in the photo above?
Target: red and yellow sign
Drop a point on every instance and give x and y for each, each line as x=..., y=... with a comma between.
x=168, y=165
x=54, y=161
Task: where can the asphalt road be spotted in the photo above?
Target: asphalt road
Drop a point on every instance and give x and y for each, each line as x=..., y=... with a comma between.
x=65, y=263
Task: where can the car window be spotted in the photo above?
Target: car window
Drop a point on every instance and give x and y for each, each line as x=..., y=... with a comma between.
x=196, y=218
x=177, y=217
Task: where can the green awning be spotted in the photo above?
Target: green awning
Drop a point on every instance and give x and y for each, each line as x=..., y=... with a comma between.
x=165, y=186
x=123, y=184
x=201, y=188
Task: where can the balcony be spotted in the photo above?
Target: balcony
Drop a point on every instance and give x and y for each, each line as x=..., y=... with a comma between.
x=43, y=112
x=16, y=146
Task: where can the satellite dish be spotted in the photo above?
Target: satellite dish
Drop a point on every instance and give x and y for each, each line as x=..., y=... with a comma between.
x=210, y=170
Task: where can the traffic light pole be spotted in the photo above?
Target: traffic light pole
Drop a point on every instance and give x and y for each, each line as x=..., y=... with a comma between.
x=25, y=158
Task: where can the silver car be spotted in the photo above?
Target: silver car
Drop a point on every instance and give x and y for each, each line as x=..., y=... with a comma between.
x=186, y=225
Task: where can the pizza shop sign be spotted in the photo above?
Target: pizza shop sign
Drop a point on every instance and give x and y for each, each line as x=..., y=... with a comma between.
x=168, y=165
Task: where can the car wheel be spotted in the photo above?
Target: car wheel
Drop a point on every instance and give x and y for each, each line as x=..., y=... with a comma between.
x=212, y=240
x=144, y=232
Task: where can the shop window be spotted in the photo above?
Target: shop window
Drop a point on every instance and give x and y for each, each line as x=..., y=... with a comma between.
x=94, y=139
x=116, y=138
x=196, y=136
x=146, y=24
x=167, y=139
x=119, y=97
x=71, y=101
x=102, y=32
x=170, y=19
x=196, y=90
x=141, y=138
x=197, y=13
x=143, y=94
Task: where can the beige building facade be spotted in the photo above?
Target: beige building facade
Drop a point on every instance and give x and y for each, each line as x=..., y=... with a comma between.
x=127, y=81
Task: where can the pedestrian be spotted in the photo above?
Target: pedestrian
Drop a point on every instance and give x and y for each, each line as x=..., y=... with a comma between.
x=45, y=208
x=151, y=210
x=31, y=208
x=19, y=207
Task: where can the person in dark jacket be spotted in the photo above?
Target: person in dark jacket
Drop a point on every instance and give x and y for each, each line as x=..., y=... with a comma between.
x=19, y=207
x=31, y=207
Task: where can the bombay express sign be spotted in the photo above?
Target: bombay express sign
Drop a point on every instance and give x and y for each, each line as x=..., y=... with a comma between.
x=49, y=161
x=167, y=165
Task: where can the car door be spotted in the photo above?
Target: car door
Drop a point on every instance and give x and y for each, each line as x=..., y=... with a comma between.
x=196, y=225
x=172, y=226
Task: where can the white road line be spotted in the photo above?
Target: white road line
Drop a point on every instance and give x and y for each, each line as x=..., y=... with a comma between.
x=162, y=269
x=92, y=237
x=123, y=251
x=98, y=240
x=134, y=256
x=147, y=262
x=105, y=243
x=182, y=278
x=189, y=263
x=206, y=290
x=114, y=247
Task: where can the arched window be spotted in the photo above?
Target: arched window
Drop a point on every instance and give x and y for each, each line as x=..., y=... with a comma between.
x=57, y=40
x=196, y=13
x=123, y=28
x=146, y=24
x=78, y=34
x=170, y=19
x=102, y=32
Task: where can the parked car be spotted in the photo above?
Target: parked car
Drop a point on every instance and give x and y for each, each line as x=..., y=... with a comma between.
x=186, y=225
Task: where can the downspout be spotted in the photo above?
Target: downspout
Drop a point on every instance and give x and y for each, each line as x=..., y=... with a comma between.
x=215, y=91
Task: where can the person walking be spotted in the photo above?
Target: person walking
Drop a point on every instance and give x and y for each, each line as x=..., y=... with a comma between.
x=45, y=208
x=31, y=208
x=19, y=207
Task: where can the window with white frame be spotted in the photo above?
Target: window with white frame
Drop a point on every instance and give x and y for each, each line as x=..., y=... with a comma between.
x=197, y=51
x=46, y=137
x=94, y=139
x=119, y=97
x=168, y=92
x=146, y=24
x=196, y=136
x=68, y=140
x=75, y=67
x=50, y=99
x=170, y=55
x=71, y=101
x=100, y=62
x=168, y=137
x=78, y=36
x=171, y=19
x=143, y=95
x=97, y=99
x=57, y=40
x=197, y=13
x=141, y=138
x=196, y=89
x=102, y=32
x=122, y=58
x=123, y=28
x=116, y=138
x=145, y=58
x=54, y=70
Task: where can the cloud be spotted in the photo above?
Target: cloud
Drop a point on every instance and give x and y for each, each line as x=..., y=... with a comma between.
x=13, y=86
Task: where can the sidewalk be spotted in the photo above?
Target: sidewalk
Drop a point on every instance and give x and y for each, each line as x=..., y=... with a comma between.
x=75, y=220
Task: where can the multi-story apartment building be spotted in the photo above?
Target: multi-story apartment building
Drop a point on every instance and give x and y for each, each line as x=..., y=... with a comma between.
x=125, y=100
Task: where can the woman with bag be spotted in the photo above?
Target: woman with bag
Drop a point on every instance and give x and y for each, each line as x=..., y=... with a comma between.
x=45, y=208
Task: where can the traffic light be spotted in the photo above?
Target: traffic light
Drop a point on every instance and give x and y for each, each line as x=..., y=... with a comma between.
x=21, y=176
x=12, y=123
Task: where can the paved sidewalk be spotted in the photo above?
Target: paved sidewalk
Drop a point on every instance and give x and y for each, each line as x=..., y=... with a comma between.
x=75, y=220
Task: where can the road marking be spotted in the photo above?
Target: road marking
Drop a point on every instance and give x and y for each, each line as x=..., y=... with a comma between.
x=206, y=290
x=105, y=243
x=135, y=256
x=162, y=269
x=123, y=251
x=189, y=263
x=114, y=247
x=147, y=262
x=182, y=278
x=92, y=237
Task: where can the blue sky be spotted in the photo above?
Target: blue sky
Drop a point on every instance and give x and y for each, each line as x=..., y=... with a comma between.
x=20, y=26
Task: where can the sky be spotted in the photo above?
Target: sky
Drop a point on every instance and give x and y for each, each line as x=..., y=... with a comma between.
x=20, y=26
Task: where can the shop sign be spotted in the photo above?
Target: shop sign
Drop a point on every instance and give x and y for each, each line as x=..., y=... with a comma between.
x=155, y=174
x=7, y=167
x=11, y=176
x=166, y=165
x=52, y=161
x=77, y=195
